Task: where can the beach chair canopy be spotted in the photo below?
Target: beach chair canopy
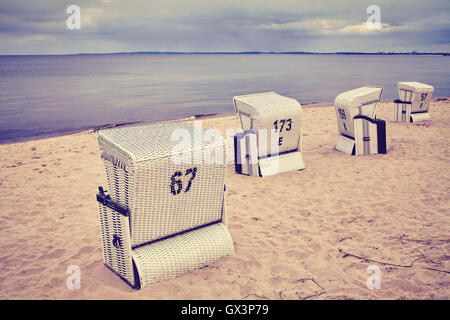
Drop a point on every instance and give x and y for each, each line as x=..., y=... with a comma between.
x=418, y=94
x=362, y=101
x=414, y=86
x=159, y=174
x=277, y=115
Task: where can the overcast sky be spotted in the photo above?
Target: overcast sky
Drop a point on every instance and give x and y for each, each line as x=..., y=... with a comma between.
x=39, y=26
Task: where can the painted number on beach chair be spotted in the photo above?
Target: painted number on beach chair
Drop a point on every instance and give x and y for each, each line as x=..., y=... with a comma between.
x=343, y=116
x=282, y=122
x=342, y=113
x=178, y=183
x=192, y=172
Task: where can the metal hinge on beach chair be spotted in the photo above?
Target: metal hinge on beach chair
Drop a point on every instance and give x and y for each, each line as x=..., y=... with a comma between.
x=162, y=217
x=271, y=139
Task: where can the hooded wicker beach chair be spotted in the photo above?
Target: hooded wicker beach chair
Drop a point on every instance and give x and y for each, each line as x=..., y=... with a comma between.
x=360, y=132
x=163, y=213
x=270, y=141
x=413, y=103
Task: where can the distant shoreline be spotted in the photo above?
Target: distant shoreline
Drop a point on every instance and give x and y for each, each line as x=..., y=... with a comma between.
x=413, y=53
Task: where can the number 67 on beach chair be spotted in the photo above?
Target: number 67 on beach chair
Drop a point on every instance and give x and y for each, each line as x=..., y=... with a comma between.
x=360, y=132
x=164, y=213
x=271, y=139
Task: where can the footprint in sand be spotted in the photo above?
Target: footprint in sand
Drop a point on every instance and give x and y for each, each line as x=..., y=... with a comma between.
x=31, y=271
x=55, y=254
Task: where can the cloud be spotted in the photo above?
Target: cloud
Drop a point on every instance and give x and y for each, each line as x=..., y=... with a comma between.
x=312, y=25
x=345, y=27
x=326, y=27
x=363, y=28
x=227, y=25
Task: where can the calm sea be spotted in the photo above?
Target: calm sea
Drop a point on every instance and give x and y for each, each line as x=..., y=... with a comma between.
x=46, y=95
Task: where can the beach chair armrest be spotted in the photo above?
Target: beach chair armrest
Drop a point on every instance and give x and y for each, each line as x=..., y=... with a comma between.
x=400, y=101
x=359, y=116
x=106, y=200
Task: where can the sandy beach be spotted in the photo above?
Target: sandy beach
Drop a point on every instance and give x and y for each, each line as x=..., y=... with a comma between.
x=307, y=234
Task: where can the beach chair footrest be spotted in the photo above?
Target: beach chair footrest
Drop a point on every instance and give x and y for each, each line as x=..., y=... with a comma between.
x=281, y=163
x=182, y=253
x=346, y=145
x=419, y=116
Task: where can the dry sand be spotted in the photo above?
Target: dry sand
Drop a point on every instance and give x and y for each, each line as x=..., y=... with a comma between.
x=308, y=234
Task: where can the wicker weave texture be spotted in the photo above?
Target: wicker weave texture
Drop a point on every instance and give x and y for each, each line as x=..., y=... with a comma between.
x=164, y=197
x=147, y=142
x=182, y=253
x=278, y=116
x=118, y=258
x=157, y=212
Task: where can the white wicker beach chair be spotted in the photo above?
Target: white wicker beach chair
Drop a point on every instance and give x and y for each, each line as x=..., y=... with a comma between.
x=360, y=132
x=271, y=139
x=161, y=216
x=413, y=103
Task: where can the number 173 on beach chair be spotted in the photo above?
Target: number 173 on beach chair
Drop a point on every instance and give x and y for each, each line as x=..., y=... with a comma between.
x=270, y=141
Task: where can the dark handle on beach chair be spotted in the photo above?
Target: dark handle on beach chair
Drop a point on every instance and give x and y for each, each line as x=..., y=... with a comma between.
x=400, y=101
x=365, y=118
x=107, y=201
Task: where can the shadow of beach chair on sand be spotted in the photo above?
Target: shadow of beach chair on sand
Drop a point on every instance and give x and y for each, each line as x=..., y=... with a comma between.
x=271, y=139
x=360, y=132
x=164, y=213
x=413, y=103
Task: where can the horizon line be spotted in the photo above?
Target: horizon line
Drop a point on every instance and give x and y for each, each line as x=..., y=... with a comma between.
x=236, y=52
